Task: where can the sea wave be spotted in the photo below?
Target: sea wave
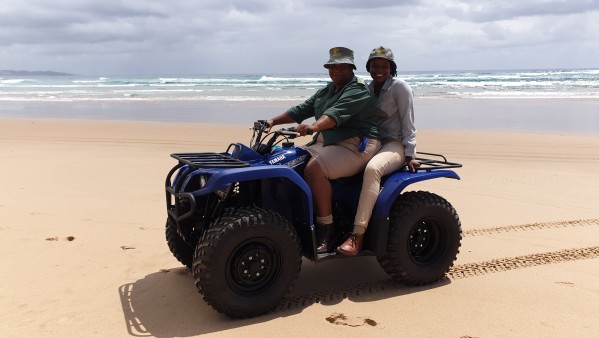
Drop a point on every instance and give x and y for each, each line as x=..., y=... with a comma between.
x=265, y=87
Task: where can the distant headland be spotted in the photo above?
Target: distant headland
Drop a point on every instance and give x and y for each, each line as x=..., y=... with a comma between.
x=32, y=73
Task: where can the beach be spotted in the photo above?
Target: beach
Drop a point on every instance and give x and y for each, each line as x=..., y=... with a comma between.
x=84, y=252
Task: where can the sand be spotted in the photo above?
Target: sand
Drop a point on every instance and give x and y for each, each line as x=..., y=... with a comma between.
x=83, y=250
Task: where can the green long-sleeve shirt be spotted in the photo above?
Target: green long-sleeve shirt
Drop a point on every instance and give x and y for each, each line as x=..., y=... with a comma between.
x=352, y=108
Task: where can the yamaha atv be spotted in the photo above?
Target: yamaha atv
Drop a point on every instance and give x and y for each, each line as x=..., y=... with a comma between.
x=242, y=220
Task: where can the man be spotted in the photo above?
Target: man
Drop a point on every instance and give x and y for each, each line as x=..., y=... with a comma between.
x=346, y=135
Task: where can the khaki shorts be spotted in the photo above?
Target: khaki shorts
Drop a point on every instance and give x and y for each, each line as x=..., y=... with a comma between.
x=343, y=159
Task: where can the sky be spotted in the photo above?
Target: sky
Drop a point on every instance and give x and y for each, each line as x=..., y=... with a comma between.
x=184, y=37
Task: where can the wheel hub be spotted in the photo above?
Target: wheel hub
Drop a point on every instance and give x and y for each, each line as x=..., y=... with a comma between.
x=426, y=242
x=253, y=268
x=419, y=237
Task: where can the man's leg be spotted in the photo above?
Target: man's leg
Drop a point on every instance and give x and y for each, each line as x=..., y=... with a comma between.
x=322, y=195
x=322, y=191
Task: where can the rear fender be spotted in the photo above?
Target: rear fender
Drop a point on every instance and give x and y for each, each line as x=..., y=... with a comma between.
x=397, y=182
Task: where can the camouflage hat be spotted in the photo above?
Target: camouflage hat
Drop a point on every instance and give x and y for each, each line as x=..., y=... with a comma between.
x=340, y=55
x=382, y=53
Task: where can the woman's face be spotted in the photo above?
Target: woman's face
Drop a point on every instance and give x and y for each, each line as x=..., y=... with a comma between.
x=380, y=70
x=341, y=74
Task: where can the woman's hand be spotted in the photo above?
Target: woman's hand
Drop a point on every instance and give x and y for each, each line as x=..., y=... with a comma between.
x=412, y=164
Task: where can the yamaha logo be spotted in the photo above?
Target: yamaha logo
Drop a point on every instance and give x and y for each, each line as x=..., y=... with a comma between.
x=277, y=159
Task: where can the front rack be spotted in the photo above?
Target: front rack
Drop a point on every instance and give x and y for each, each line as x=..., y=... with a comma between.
x=209, y=160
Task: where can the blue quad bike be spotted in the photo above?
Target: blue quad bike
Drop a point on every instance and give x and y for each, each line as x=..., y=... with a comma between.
x=242, y=220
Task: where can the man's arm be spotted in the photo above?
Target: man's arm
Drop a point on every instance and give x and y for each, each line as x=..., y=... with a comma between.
x=280, y=119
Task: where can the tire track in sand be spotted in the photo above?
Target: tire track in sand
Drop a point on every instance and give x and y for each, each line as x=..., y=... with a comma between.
x=520, y=262
x=531, y=226
x=366, y=290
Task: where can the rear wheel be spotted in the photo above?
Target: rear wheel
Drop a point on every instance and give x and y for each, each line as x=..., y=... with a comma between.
x=247, y=261
x=424, y=238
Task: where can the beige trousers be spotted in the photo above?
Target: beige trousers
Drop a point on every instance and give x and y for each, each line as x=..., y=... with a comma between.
x=391, y=157
x=343, y=159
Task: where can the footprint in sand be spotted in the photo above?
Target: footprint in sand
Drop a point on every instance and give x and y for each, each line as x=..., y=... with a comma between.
x=341, y=319
x=69, y=238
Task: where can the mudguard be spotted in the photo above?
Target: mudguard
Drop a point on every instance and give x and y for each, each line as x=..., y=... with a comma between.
x=397, y=182
x=223, y=178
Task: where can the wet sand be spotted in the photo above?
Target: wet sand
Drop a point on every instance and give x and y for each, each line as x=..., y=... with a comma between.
x=557, y=115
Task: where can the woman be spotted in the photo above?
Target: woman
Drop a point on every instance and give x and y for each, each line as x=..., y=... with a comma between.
x=346, y=136
x=396, y=132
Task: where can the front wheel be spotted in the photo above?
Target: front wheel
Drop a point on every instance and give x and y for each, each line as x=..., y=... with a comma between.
x=182, y=251
x=424, y=238
x=247, y=261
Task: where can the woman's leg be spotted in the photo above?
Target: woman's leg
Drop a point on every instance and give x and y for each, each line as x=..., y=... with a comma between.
x=388, y=159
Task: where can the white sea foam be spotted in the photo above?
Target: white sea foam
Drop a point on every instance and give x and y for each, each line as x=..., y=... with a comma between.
x=261, y=87
x=11, y=81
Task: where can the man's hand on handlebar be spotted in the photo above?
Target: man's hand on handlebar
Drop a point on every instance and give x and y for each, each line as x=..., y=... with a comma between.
x=269, y=124
x=300, y=129
x=304, y=129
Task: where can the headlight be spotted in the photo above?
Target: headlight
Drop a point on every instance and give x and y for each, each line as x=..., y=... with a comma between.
x=203, y=179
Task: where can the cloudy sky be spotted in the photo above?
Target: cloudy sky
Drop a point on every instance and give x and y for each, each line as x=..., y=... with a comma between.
x=184, y=37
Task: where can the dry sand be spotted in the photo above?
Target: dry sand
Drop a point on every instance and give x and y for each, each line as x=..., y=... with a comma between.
x=83, y=250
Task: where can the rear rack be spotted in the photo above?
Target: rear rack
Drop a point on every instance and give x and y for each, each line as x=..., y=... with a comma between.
x=437, y=162
x=209, y=160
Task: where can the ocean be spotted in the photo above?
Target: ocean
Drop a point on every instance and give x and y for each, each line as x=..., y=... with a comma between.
x=444, y=99
x=296, y=87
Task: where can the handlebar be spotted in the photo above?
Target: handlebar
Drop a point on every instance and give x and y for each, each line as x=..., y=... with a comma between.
x=262, y=126
x=261, y=133
x=291, y=130
x=288, y=132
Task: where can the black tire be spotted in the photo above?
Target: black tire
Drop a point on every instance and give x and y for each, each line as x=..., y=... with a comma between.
x=247, y=262
x=182, y=251
x=424, y=238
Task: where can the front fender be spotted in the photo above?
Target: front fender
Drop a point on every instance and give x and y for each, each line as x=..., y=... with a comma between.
x=223, y=178
x=397, y=182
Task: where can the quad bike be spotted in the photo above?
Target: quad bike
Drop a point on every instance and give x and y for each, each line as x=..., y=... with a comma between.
x=242, y=220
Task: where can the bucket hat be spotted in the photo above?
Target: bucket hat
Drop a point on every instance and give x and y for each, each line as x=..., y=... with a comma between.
x=382, y=53
x=340, y=55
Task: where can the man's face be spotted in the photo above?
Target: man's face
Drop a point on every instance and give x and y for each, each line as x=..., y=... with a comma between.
x=341, y=73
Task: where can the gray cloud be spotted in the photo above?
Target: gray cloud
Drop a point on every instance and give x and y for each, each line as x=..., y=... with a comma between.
x=361, y=4
x=215, y=36
x=488, y=10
